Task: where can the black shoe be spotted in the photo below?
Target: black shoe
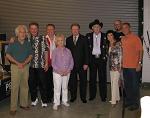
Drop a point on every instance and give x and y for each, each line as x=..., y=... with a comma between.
x=84, y=100
x=49, y=101
x=103, y=100
x=127, y=105
x=91, y=99
x=133, y=107
x=72, y=99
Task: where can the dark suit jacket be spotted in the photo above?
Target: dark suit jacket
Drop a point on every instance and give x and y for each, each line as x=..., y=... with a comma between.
x=118, y=35
x=104, y=46
x=79, y=51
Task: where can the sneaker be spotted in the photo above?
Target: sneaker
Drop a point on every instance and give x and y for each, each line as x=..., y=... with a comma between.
x=55, y=107
x=35, y=102
x=66, y=104
x=44, y=104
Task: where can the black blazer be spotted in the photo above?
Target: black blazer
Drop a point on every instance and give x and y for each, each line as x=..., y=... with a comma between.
x=104, y=46
x=79, y=51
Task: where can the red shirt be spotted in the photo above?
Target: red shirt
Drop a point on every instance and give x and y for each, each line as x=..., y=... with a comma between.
x=131, y=45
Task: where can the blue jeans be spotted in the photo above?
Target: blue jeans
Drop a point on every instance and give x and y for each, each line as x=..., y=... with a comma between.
x=132, y=86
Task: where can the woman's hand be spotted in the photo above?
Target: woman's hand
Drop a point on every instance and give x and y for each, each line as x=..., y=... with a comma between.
x=66, y=73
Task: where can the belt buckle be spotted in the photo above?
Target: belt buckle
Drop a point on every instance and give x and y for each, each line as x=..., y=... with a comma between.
x=97, y=56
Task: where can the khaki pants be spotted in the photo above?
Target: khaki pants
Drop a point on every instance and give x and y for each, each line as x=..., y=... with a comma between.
x=19, y=86
x=114, y=75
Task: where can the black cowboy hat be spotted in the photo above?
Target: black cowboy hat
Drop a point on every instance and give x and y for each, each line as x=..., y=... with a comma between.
x=90, y=25
x=96, y=22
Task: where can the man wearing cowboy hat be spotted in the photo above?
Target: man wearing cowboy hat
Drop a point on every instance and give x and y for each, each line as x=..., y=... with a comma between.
x=98, y=48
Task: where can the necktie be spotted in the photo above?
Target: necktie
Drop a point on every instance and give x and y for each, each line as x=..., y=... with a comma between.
x=96, y=40
x=75, y=40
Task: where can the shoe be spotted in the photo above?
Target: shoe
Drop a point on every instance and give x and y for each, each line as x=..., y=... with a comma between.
x=133, y=107
x=12, y=113
x=127, y=105
x=84, y=100
x=44, y=104
x=103, y=100
x=72, y=99
x=55, y=107
x=35, y=102
x=25, y=108
x=66, y=104
x=91, y=99
x=113, y=105
x=49, y=100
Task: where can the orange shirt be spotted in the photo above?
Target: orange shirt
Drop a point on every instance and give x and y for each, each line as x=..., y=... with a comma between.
x=131, y=45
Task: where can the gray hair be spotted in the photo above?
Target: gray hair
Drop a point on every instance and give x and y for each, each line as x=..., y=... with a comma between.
x=18, y=28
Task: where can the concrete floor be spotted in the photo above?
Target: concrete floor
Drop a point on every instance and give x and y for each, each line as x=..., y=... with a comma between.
x=94, y=109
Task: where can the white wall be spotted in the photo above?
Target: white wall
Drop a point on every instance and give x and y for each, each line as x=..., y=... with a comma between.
x=65, y=12
x=146, y=58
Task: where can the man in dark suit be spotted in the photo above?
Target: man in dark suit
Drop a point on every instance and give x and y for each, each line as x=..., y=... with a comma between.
x=77, y=43
x=98, y=48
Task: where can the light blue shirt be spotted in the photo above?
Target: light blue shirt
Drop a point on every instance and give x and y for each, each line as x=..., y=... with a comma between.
x=96, y=44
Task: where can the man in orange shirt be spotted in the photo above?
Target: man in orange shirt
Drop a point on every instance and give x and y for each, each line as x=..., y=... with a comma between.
x=132, y=57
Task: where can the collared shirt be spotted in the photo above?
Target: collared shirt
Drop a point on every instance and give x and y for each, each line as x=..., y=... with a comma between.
x=20, y=52
x=39, y=46
x=51, y=46
x=75, y=39
x=131, y=45
x=96, y=44
x=62, y=60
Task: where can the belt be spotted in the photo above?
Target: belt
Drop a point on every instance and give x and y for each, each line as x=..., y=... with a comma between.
x=97, y=56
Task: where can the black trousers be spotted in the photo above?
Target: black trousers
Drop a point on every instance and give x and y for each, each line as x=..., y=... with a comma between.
x=73, y=82
x=49, y=84
x=132, y=86
x=99, y=65
x=37, y=79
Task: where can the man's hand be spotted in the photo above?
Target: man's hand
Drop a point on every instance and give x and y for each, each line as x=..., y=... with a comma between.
x=12, y=40
x=85, y=67
x=138, y=68
x=46, y=67
x=20, y=65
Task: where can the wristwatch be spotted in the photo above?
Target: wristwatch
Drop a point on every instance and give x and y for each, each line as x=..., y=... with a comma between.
x=140, y=63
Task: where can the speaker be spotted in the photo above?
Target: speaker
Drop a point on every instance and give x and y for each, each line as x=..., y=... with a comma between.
x=2, y=36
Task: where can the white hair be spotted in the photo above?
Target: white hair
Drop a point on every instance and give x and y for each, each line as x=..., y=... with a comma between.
x=18, y=28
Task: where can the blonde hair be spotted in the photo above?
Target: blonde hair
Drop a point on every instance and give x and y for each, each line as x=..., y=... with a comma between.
x=18, y=28
x=59, y=35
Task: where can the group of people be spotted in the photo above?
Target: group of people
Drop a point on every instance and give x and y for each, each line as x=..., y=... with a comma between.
x=51, y=64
